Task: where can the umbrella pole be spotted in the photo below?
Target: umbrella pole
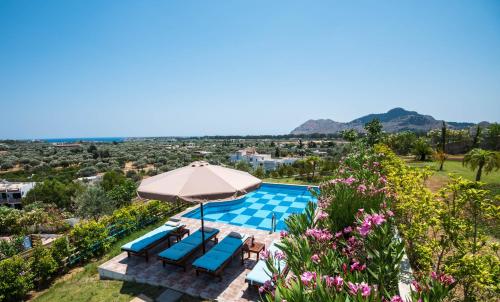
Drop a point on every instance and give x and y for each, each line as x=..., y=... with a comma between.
x=202, y=227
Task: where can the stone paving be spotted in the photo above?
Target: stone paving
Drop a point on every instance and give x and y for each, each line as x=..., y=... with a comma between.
x=232, y=287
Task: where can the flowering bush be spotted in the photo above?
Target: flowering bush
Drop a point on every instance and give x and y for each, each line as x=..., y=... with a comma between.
x=358, y=184
x=360, y=263
x=346, y=248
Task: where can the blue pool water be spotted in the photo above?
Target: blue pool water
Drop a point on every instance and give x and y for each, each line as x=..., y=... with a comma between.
x=255, y=209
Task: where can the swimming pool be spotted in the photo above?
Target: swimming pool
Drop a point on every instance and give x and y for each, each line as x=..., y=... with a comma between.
x=255, y=209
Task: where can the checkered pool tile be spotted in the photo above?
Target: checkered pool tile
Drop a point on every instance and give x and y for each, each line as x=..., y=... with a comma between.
x=256, y=209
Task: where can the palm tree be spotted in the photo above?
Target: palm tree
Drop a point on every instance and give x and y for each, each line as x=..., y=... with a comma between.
x=312, y=162
x=482, y=159
x=440, y=157
x=422, y=148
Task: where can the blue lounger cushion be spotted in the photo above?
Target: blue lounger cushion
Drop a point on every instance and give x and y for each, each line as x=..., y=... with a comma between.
x=177, y=251
x=260, y=274
x=185, y=246
x=145, y=240
x=221, y=252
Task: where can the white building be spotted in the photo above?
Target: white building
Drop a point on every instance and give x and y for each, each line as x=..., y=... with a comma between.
x=11, y=193
x=256, y=160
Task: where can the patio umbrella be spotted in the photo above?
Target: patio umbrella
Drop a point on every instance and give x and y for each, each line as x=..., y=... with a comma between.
x=198, y=182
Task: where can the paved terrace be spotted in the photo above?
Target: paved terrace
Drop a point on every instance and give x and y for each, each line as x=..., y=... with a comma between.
x=231, y=288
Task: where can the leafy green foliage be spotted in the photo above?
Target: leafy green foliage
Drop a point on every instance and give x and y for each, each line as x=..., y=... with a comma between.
x=15, y=279
x=53, y=191
x=422, y=149
x=482, y=160
x=93, y=203
x=374, y=131
x=444, y=232
x=42, y=265
x=89, y=238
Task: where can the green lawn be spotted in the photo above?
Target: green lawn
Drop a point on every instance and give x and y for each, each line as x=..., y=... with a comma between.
x=83, y=284
x=492, y=180
x=457, y=168
x=290, y=181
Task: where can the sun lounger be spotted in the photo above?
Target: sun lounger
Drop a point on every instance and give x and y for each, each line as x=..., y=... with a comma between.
x=215, y=260
x=260, y=274
x=141, y=245
x=179, y=253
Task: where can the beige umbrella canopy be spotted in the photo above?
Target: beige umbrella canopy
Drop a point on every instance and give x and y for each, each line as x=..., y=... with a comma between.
x=198, y=181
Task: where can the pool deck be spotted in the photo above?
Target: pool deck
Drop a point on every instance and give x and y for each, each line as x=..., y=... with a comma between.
x=232, y=287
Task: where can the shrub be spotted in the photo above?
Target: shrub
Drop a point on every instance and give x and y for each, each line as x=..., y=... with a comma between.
x=12, y=247
x=443, y=231
x=359, y=185
x=15, y=279
x=89, y=238
x=93, y=203
x=42, y=265
x=60, y=250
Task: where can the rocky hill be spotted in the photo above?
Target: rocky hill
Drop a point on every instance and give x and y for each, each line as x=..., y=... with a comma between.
x=394, y=120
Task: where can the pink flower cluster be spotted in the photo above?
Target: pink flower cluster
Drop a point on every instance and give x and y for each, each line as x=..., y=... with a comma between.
x=320, y=235
x=356, y=266
x=336, y=282
x=348, y=181
x=267, y=287
x=264, y=255
x=322, y=215
x=308, y=278
x=443, y=278
x=315, y=258
x=370, y=221
x=362, y=287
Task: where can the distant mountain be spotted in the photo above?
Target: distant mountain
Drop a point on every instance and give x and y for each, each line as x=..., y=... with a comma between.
x=394, y=120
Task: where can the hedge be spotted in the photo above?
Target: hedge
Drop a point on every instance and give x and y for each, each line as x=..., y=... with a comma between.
x=86, y=240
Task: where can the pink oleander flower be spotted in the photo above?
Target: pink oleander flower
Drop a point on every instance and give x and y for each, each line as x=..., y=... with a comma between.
x=279, y=255
x=347, y=230
x=377, y=219
x=265, y=254
x=334, y=245
x=322, y=215
x=390, y=213
x=396, y=299
x=365, y=289
x=283, y=234
x=349, y=181
x=355, y=266
x=416, y=286
x=365, y=228
x=361, y=188
x=319, y=234
x=382, y=180
x=307, y=277
x=353, y=288
x=338, y=234
x=315, y=258
x=328, y=281
x=376, y=164
x=443, y=278
x=434, y=275
x=344, y=268
x=338, y=281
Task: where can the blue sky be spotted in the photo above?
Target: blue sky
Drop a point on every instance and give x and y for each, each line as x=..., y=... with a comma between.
x=159, y=68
